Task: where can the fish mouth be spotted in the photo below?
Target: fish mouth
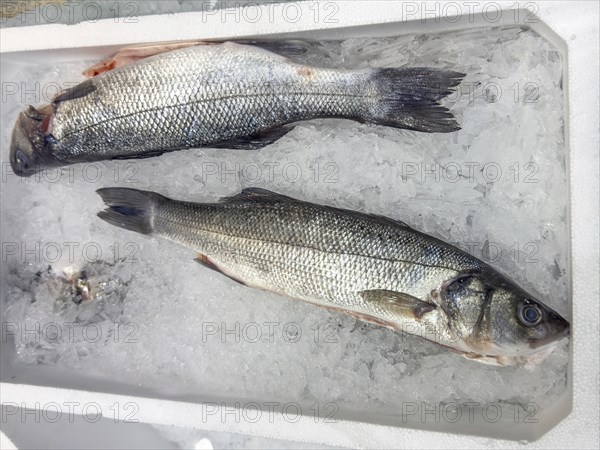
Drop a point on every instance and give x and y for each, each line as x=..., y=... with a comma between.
x=562, y=329
x=29, y=153
x=556, y=328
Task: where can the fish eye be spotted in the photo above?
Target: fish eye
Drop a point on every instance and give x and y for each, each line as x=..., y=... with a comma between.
x=530, y=315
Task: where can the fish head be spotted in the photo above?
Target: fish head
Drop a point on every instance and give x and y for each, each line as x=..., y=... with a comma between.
x=494, y=317
x=29, y=152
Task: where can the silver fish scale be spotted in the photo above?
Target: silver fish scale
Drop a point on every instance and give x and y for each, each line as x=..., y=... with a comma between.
x=315, y=253
x=199, y=96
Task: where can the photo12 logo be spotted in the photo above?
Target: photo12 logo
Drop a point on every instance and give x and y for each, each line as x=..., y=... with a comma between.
x=68, y=252
x=324, y=12
x=92, y=172
x=52, y=412
x=39, y=12
x=471, y=412
x=33, y=92
x=271, y=412
x=69, y=332
x=269, y=171
x=468, y=172
x=254, y=332
x=468, y=11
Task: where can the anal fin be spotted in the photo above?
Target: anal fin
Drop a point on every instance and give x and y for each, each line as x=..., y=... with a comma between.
x=206, y=262
x=255, y=141
x=150, y=154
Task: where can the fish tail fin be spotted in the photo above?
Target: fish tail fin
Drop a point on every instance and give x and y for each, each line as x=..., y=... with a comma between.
x=409, y=98
x=130, y=209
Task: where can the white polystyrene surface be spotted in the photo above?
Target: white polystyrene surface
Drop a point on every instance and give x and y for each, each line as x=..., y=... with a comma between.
x=5, y=442
x=577, y=24
x=360, y=368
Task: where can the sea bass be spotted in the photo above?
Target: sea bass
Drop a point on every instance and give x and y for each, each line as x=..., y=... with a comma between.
x=221, y=95
x=371, y=267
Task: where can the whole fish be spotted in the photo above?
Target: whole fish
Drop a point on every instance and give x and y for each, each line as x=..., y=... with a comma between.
x=371, y=267
x=224, y=95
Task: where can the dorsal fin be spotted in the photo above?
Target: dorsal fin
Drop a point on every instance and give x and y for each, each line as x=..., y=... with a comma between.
x=259, y=195
x=129, y=55
x=132, y=54
x=287, y=48
x=382, y=219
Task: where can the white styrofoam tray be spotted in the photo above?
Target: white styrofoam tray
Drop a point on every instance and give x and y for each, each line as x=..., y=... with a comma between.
x=571, y=27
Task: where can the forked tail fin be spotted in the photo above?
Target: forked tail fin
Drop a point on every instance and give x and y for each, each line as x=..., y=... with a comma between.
x=131, y=209
x=409, y=98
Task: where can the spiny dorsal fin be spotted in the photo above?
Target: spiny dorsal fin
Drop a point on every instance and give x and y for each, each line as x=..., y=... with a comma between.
x=382, y=219
x=259, y=195
x=287, y=48
x=132, y=54
x=129, y=55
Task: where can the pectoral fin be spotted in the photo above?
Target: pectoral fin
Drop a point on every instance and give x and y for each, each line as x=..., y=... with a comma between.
x=255, y=141
x=401, y=303
x=81, y=90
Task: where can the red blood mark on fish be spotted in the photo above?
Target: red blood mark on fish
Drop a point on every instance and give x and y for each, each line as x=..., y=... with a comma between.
x=46, y=126
x=305, y=72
